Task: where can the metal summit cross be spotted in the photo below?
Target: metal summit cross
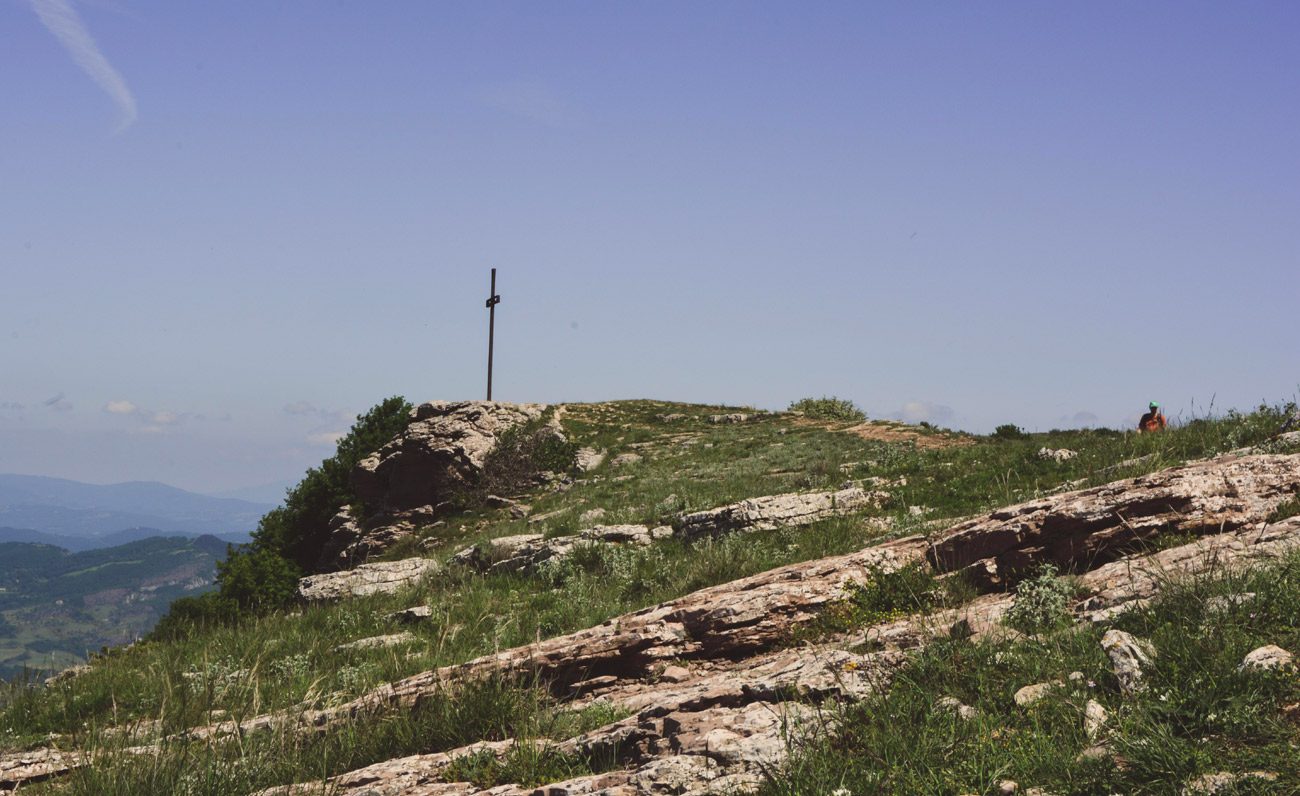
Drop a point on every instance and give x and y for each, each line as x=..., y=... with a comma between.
x=491, y=305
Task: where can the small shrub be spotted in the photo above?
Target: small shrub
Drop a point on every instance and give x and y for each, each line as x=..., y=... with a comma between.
x=520, y=456
x=883, y=597
x=1286, y=510
x=1042, y=603
x=831, y=408
x=1009, y=431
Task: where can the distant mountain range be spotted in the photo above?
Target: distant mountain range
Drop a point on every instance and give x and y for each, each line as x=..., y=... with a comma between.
x=109, y=514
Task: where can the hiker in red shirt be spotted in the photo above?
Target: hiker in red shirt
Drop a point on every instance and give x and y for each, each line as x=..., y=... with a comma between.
x=1152, y=420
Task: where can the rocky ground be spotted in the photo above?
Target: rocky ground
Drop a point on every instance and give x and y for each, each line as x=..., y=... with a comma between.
x=711, y=691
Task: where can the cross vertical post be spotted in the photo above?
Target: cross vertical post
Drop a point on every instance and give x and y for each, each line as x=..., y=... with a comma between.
x=492, y=302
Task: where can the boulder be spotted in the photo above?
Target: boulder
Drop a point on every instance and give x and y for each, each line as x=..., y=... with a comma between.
x=1128, y=657
x=1095, y=717
x=385, y=577
x=441, y=452
x=1267, y=658
x=777, y=511
x=1058, y=455
x=378, y=642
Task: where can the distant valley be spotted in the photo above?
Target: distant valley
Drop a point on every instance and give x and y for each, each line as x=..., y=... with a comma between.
x=56, y=606
x=83, y=566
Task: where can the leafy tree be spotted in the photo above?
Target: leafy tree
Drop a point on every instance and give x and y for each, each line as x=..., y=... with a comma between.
x=264, y=574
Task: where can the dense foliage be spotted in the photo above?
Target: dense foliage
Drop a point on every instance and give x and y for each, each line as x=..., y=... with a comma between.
x=288, y=540
x=831, y=408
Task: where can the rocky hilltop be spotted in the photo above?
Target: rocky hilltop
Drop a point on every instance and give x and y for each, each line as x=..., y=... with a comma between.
x=707, y=600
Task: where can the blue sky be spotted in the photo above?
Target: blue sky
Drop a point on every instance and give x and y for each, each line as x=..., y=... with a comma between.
x=227, y=227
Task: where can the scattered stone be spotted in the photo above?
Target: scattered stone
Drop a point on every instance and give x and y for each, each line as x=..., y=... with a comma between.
x=1094, y=719
x=734, y=417
x=957, y=708
x=776, y=511
x=1096, y=752
x=538, y=519
x=918, y=511
x=671, y=417
x=412, y=616
x=70, y=673
x=520, y=511
x=378, y=642
x=1267, y=658
x=1007, y=787
x=675, y=674
x=591, y=516
x=1059, y=455
x=624, y=459
x=1223, y=782
x=385, y=577
x=1225, y=603
x=1032, y=693
x=589, y=459
x=1128, y=656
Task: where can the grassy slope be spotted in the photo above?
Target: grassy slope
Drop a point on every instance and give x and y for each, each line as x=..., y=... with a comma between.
x=283, y=660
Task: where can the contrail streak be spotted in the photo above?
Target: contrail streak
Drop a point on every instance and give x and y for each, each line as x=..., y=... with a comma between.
x=66, y=25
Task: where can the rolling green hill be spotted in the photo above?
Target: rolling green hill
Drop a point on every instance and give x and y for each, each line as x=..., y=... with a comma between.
x=55, y=605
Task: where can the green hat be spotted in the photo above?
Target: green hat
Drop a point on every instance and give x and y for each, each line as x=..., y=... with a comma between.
x=1155, y=405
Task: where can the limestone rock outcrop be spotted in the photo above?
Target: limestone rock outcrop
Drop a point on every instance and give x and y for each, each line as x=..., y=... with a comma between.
x=442, y=450
x=1100, y=524
x=384, y=577
x=777, y=511
x=527, y=552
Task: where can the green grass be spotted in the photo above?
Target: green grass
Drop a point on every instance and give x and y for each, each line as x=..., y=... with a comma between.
x=286, y=659
x=459, y=716
x=1198, y=714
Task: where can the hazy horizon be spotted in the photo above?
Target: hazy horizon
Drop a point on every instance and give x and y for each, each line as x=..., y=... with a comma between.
x=229, y=228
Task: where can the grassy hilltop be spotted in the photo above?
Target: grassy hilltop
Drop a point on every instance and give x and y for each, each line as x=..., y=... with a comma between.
x=663, y=459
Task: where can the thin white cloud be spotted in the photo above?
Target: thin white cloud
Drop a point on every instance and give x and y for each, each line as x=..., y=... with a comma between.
x=65, y=23
x=155, y=421
x=325, y=437
x=300, y=408
x=321, y=414
x=919, y=411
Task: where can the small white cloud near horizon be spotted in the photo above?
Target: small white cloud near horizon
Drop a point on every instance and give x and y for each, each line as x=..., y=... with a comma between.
x=61, y=19
x=155, y=422
x=325, y=437
x=922, y=411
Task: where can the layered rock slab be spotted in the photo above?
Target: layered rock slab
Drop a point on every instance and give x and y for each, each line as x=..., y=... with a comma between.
x=1093, y=526
x=777, y=511
x=384, y=577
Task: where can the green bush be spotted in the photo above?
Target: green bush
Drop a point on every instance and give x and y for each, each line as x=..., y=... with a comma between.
x=1009, y=431
x=520, y=455
x=831, y=408
x=1042, y=603
x=264, y=574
